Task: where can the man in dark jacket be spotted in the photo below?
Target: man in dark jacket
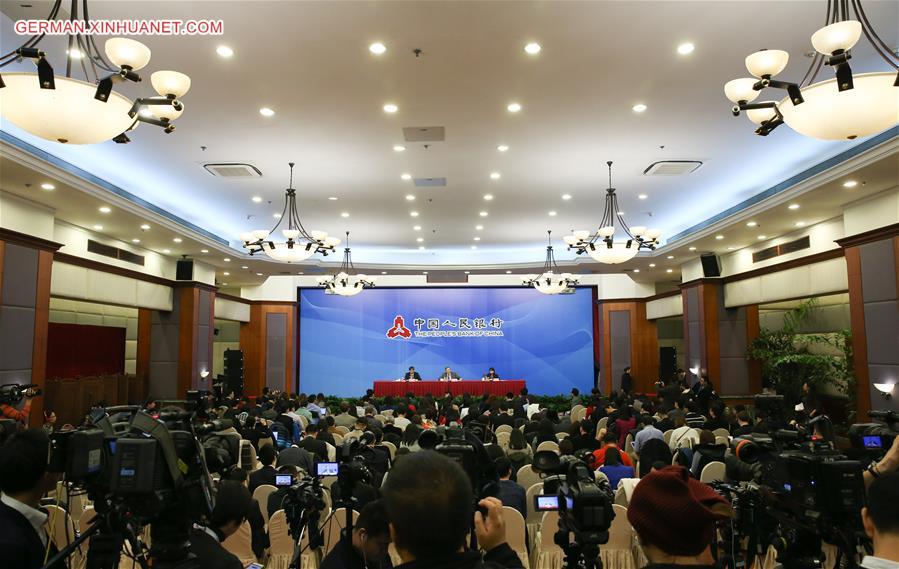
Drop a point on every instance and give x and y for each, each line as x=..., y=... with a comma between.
x=429, y=486
x=317, y=447
x=299, y=457
x=510, y=493
x=366, y=547
x=232, y=502
x=266, y=474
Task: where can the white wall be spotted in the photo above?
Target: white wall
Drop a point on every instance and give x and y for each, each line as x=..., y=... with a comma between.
x=24, y=216
x=230, y=310
x=877, y=211
x=80, y=283
x=822, y=237
x=800, y=282
x=664, y=307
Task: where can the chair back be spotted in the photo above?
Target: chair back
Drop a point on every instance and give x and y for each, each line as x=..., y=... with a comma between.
x=502, y=438
x=712, y=471
x=332, y=452
x=247, y=457
x=381, y=418
x=61, y=530
x=576, y=412
x=342, y=430
x=280, y=540
x=561, y=436
x=602, y=423
x=549, y=525
x=338, y=439
x=620, y=497
x=722, y=441
x=503, y=429
x=527, y=477
x=332, y=528
x=721, y=433
x=328, y=481
x=600, y=476
x=240, y=544
x=534, y=515
x=515, y=533
x=84, y=522
x=667, y=436
x=391, y=447
x=548, y=445
x=261, y=494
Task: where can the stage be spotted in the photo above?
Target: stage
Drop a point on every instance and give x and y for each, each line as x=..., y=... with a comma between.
x=384, y=388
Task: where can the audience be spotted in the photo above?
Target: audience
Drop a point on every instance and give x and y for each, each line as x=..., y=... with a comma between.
x=254, y=514
x=881, y=521
x=366, y=547
x=510, y=493
x=266, y=474
x=613, y=468
x=610, y=441
x=683, y=435
x=647, y=432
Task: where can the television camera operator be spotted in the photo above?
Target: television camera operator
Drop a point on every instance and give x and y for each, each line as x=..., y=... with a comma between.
x=11, y=395
x=232, y=502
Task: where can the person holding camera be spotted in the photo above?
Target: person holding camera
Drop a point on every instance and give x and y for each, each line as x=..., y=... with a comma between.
x=21, y=415
x=881, y=522
x=24, y=479
x=232, y=502
x=366, y=546
x=889, y=463
x=430, y=505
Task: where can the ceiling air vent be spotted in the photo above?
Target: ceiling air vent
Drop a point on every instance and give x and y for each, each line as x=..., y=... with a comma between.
x=430, y=182
x=233, y=170
x=672, y=167
x=424, y=133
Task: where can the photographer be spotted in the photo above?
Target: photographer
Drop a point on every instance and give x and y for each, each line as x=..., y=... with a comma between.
x=24, y=480
x=881, y=521
x=232, y=502
x=366, y=548
x=674, y=516
x=10, y=412
x=430, y=505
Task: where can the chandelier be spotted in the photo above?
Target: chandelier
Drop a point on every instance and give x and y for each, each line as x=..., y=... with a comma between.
x=299, y=245
x=344, y=282
x=68, y=110
x=843, y=108
x=549, y=282
x=602, y=245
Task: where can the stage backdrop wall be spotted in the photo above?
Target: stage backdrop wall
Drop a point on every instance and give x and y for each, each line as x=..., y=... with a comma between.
x=346, y=343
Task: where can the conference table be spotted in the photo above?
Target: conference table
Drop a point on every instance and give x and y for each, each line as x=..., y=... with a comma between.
x=395, y=388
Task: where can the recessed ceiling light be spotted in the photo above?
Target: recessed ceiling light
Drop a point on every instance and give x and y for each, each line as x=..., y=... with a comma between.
x=422, y=248
x=377, y=48
x=793, y=206
x=800, y=224
x=642, y=196
x=719, y=237
x=513, y=107
x=399, y=148
x=751, y=224
x=424, y=272
x=566, y=197
x=508, y=272
x=166, y=251
x=532, y=48
x=495, y=175
x=503, y=147
x=413, y=213
x=477, y=238
x=135, y=240
x=636, y=270
x=266, y=112
x=383, y=272
x=48, y=187
x=276, y=215
x=105, y=209
x=333, y=198
x=417, y=228
x=467, y=272
x=224, y=51
x=692, y=248
x=421, y=239
x=551, y=213
x=850, y=184
x=145, y=227
x=406, y=176
x=651, y=265
x=639, y=108
x=344, y=214
x=483, y=214
x=669, y=271
x=98, y=227
x=258, y=274
x=391, y=108
x=488, y=197
x=479, y=227
x=670, y=257
x=762, y=237
x=177, y=240
x=204, y=250
x=410, y=197
x=227, y=274
x=257, y=199
x=474, y=247
x=227, y=259
x=224, y=284
x=685, y=48
x=244, y=267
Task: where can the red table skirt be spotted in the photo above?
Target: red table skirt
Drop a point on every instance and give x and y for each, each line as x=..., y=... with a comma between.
x=438, y=388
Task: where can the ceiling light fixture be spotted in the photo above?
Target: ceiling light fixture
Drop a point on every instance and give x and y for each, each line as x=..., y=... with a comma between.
x=552, y=213
x=532, y=48
x=479, y=227
x=345, y=283
x=483, y=214
x=68, y=110
x=513, y=107
x=344, y=214
x=224, y=51
x=420, y=239
x=399, y=148
x=413, y=213
x=638, y=108
x=686, y=48
x=731, y=248
x=636, y=270
x=549, y=282
x=566, y=197
x=166, y=251
x=652, y=265
x=333, y=198
x=669, y=270
x=204, y=251
x=642, y=196
x=410, y=198
x=276, y=215
x=105, y=209
x=266, y=112
x=135, y=240
x=762, y=237
x=226, y=273
x=406, y=176
x=751, y=224
x=793, y=206
x=144, y=227
x=691, y=248
x=601, y=245
x=417, y=228
x=48, y=187
x=719, y=237
x=391, y=108
x=477, y=239
x=257, y=199
x=488, y=197
x=377, y=48
x=843, y=108
x=495, y=175
x=800, y=224
x=503, y=147
x=850, y=184
x=98, y=228
x=669, y=257
x=299, y=245
x=227, y=259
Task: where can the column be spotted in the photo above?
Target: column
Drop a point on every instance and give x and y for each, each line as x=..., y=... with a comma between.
x=872, y=263
x=627, y=338
x=268, y=342
x=25, y=267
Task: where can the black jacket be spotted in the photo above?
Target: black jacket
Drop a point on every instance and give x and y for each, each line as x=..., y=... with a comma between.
x=627, y=383
x=20, y=545
x=265, y=475
x=412, y=376
x=318, y=448
x=499, y=556
x=210, y=553
x=343, y=556
x=258, y=534
x=296, y=456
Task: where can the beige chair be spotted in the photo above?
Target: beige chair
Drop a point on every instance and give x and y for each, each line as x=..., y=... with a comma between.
x=534, y=516
x=240, y=544
x=327, y=481
x=503, y=429
x=548, y=445
x=548, y=555
x=515, y=534
x=527, y=477
x=618, y=553
x=577, y=412
x=620, y=496
x=261, y=494
x=304, y=422
x=602, y=423
x=561, y=436
x=254, y=462
x=381, y=418
x=391, y=447
x=711, y=472
x=342, y=430
x=722, y=441
x=332, y=528
x=395, y=558
x=600, y=476
x=265, y=442
x=721, y=433
x=282, y=545
x=502, y=439
x=332, y=452
x=338, y=439
x=61, y=531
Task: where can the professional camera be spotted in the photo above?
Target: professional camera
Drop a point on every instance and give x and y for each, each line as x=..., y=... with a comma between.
x=873, y=440
x=584, y=505
x=465, y=448
x=302, y=505
x=13, y=393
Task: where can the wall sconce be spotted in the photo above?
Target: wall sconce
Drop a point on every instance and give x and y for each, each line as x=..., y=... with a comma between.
x=885, y=389
x=204, y=374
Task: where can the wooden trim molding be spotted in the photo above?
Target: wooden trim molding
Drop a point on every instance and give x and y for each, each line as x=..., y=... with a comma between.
x=144, y=326
x=785, y=266
x=859, y=335
x=193, y=284
x=661, y=295
x=106, y=268
x=26, y=240
x=41, y=329
x=232, y=298
x=188, y=315
x=879, y=234
x=699, y=281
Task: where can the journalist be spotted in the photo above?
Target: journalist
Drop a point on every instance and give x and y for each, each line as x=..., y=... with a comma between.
x=8, y=411
x=232, y=502
x=366, y=548
x=430, y=505
x=881, y=521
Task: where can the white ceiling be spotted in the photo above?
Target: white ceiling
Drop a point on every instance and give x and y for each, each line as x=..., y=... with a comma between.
x=309, y=62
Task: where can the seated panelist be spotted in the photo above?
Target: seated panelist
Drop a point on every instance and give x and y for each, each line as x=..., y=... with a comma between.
x=449, y=375
x=412, y=375
x=491, y=375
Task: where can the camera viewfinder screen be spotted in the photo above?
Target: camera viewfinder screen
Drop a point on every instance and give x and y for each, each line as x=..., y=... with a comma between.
x=544, y=503
x=283, y=480
x=872, y=441
x=326, y=469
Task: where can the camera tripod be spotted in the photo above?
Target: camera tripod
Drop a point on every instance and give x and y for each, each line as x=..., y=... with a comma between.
x=577, y=554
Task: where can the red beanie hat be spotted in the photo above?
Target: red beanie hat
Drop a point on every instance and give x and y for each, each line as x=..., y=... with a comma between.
x=673, y=511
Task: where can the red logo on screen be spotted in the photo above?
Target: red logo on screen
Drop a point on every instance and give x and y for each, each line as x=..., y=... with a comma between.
x=399, y=329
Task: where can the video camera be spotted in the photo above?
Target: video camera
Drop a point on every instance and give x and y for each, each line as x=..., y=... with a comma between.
x=13, y=393
x=465, y=448
x=873, y=440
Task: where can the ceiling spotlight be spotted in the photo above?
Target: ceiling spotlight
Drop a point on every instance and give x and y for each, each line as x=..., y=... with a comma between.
x=495, y=176
x=731, y=248
x=620, y=213
x=424, y=272
x=532, y=48
x=503, y=147
x=406, y=176
x=166, y=251
x=345, y=214
x=413, y=213
x=685, y=48
x=244, y=267
x=105, y=209
x=636, y=270
x=483, y=214
x=488, y=197
x=410, y=198
x=258, y=274
x=383, y=272
x=566, y=197
x=669, y=271
x=390, y=108
x=257, y=199
x=227, y=274
x=135, y=240
x=850, y=184
x=333, y=198
x=266, y=112
x=670, y=257
x=224, y=51
x=467, y=272
x=98, y=227
x=652, y=265
x=177, y=240
x=479, y=227
x=638, y=108
x=204, y=250
x=377, y=48
x=399, y=148
x=508, y=272
x=48, y=187
x=692, y=249
x=420, y=239
x=276, y=215
x=642, y=196
x=751, y=224
x=417, y=228
x=552, y=214
x=719, y=237
x=513, y=107
x=227, y=259
x=477, y=238
x=793, y=206
x=800, y=224
x=761, y=237
x=75, y=53
x=145, y=227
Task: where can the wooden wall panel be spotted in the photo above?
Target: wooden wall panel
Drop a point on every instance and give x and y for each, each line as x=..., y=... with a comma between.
x=753, y=330
x=2, y=253
x=644, y=356
x=142, y=369
x=187, y=337
x=253, y=345
x=859, y=335
x=41, y=325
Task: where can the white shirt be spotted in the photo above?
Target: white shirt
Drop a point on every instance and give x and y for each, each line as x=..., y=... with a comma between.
x=35, y=517
x=680, y=435
x=401, y=423
x=871, y=562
